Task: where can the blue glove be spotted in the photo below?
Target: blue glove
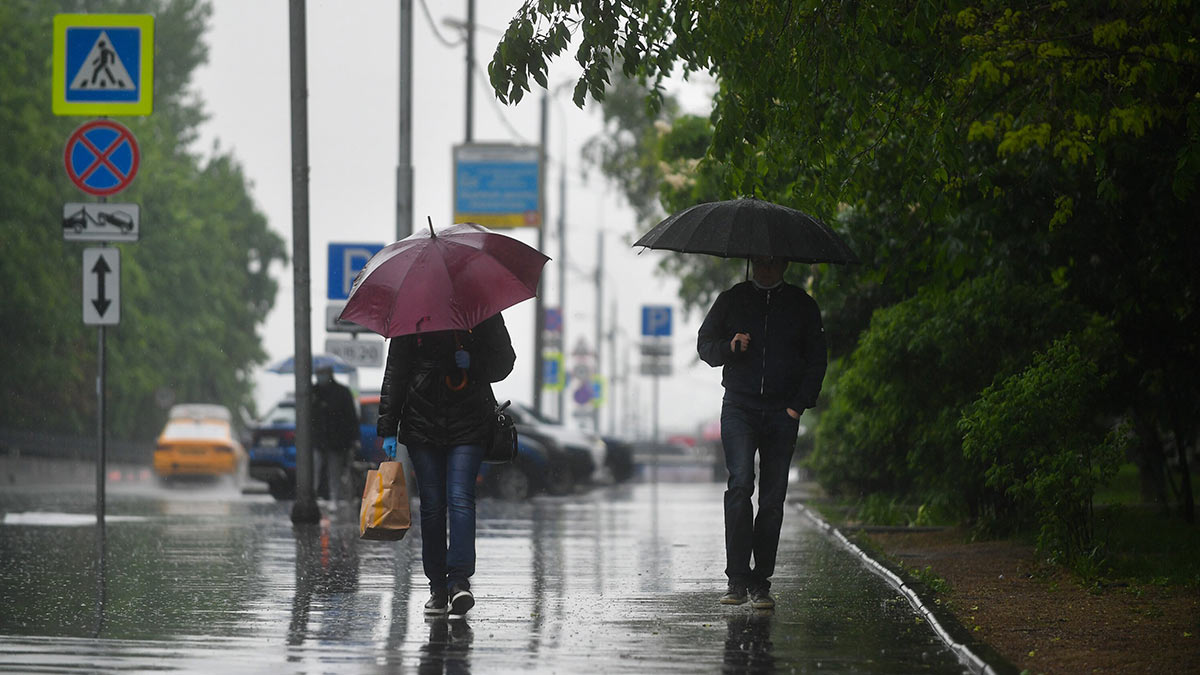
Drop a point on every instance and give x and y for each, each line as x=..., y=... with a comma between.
x=389, y=446
x=462, y=359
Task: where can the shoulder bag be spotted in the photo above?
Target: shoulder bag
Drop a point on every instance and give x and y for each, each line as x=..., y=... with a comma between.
x=501, y=444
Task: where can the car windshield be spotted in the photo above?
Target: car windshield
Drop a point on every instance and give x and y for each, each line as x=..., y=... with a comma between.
x=178, y=430
x=283, y=413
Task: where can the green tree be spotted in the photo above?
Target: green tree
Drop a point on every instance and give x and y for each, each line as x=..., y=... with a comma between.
x=194, y=288
x=1056, y=140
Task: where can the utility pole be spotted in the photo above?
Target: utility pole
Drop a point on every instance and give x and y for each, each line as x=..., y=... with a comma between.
x=470, y=135
x=404, y=170
x=539, y=309
x=599, y=319
x=562, y=275
x=304, y=510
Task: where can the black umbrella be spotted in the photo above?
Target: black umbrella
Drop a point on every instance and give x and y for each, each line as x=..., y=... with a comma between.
x=748, y=228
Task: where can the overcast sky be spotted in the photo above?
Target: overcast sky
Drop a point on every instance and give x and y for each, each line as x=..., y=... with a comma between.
x=353, y=152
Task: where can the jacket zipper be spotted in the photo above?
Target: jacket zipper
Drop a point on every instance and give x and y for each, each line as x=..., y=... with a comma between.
x=762, y=383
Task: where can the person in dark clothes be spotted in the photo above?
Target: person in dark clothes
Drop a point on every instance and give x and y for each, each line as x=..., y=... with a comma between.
x=335, y=430
x=767, y=337
x=437, y=399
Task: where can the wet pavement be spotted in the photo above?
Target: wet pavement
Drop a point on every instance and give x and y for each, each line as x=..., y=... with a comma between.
x=620, y=579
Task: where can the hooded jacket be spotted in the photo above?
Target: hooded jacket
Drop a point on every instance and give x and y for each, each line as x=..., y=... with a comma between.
x=785, y=362
x=420, y=401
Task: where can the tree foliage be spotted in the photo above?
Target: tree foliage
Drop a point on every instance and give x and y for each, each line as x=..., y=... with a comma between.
x=1057, y=141
x=194, y=288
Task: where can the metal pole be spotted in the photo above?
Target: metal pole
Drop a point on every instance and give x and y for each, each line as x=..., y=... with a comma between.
x=305, y=509
x=471, y=62
x=101, y=433
x=599, y=319
x=539, y=310
x=562, y=274
x=654, y=436
x=404, y=170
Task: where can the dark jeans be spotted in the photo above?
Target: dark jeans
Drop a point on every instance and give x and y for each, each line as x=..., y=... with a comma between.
x=772, y=433
x=446, y=482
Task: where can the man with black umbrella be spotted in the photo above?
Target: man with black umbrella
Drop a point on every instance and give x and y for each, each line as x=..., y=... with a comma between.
x=767, y=336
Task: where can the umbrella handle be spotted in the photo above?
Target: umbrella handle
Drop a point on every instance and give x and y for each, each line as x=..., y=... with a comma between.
x=461, y=385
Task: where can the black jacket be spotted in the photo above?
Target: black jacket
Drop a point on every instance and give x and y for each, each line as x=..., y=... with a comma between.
x=786, y=359
x=335, y=418
x=420, y=406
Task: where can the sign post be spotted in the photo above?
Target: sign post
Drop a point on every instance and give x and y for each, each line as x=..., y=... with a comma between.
x=656, y=359
x=497, y=185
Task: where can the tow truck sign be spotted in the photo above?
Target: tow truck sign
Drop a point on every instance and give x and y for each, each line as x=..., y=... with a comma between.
x=92, y=221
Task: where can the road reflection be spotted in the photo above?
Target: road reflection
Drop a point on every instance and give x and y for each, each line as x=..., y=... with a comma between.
x=748, y=647
x=448, y=649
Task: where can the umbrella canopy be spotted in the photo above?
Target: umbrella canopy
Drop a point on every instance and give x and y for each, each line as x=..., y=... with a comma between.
x=448, y=280
x=747, y=228
x=319, y=361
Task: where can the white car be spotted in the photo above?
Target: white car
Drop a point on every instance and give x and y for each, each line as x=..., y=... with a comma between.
x=578, y=443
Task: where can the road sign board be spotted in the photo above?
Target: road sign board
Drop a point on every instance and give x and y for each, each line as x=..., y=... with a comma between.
x=335, y=325
x=103, y=64
x=655, y=367
x=497, y=184
x=101, y=286
x=656, y=348
x=95, y=221
x=361, y=353
x=656, y=320
x=553, y=375
x=345, y=260
x=101, y=157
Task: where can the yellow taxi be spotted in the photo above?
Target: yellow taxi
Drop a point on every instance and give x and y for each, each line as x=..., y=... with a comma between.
x=198, y=440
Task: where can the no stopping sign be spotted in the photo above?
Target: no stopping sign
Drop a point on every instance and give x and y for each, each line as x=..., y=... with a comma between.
x=101, y=157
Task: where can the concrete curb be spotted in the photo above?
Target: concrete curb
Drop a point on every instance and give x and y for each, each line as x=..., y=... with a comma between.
x=973, y=661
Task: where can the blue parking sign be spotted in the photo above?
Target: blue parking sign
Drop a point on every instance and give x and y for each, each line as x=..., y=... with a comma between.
x=656, y=321
x=345, y=261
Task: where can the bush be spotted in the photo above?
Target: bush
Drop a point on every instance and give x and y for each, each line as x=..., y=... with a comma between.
x=892, y=423
x=1046, y=451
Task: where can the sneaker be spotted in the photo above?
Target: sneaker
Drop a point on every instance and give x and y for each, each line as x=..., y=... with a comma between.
x=461, y=601
x=736, y=595
x=436, y=605
x=760, y=598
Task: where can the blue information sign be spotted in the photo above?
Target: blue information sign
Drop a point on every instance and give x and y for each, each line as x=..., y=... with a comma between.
x=497, y=185
x=103, y=64
x=345, y=261
x=656, y=321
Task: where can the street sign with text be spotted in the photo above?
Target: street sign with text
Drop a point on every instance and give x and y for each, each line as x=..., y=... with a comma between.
x=656, y=321
x=497, y=184
x=367, y=353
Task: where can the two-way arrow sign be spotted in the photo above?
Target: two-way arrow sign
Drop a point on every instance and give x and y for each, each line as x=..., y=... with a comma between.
x=101, y=295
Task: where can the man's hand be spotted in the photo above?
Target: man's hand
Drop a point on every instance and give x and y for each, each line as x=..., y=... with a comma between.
x=740, y=342
x=793, y=414
x=389, y=447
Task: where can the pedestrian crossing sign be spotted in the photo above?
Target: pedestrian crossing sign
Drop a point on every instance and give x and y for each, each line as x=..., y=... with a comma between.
x=103, y=64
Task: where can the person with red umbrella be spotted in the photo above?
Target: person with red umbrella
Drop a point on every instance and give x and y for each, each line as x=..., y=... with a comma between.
x=439, y=297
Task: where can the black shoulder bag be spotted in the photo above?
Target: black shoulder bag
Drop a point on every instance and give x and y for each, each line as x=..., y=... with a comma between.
x=502, y=437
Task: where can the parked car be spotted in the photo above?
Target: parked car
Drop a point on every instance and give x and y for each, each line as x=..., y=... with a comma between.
x=198, y=440
x=587, y=453
x=273, y=448
x=619, y=458
x=540, y=466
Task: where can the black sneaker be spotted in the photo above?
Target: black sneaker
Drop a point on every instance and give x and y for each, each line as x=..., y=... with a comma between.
x=461, y=602
x=735, y=595
x=760, y=598
x=436, y=605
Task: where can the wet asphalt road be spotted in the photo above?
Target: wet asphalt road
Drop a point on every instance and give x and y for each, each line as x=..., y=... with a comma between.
x=620, y=579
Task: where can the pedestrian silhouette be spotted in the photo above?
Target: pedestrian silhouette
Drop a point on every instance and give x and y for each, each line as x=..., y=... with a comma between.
x=102, y=63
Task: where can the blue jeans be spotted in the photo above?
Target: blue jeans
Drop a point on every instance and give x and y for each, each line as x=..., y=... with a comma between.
x=772, y=433
x=446, y=482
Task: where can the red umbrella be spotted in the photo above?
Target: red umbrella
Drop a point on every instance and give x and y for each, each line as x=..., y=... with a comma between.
x=450, y=280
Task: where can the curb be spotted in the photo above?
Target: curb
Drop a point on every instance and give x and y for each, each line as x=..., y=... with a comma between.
x=965, y=654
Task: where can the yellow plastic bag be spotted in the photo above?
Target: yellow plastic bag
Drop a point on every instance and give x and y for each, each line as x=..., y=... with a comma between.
x=385, y=512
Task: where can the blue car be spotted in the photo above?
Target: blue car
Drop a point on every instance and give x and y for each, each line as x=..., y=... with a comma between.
x=272, y=449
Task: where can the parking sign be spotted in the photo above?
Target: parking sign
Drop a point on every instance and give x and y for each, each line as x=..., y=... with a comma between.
x=656, y=321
